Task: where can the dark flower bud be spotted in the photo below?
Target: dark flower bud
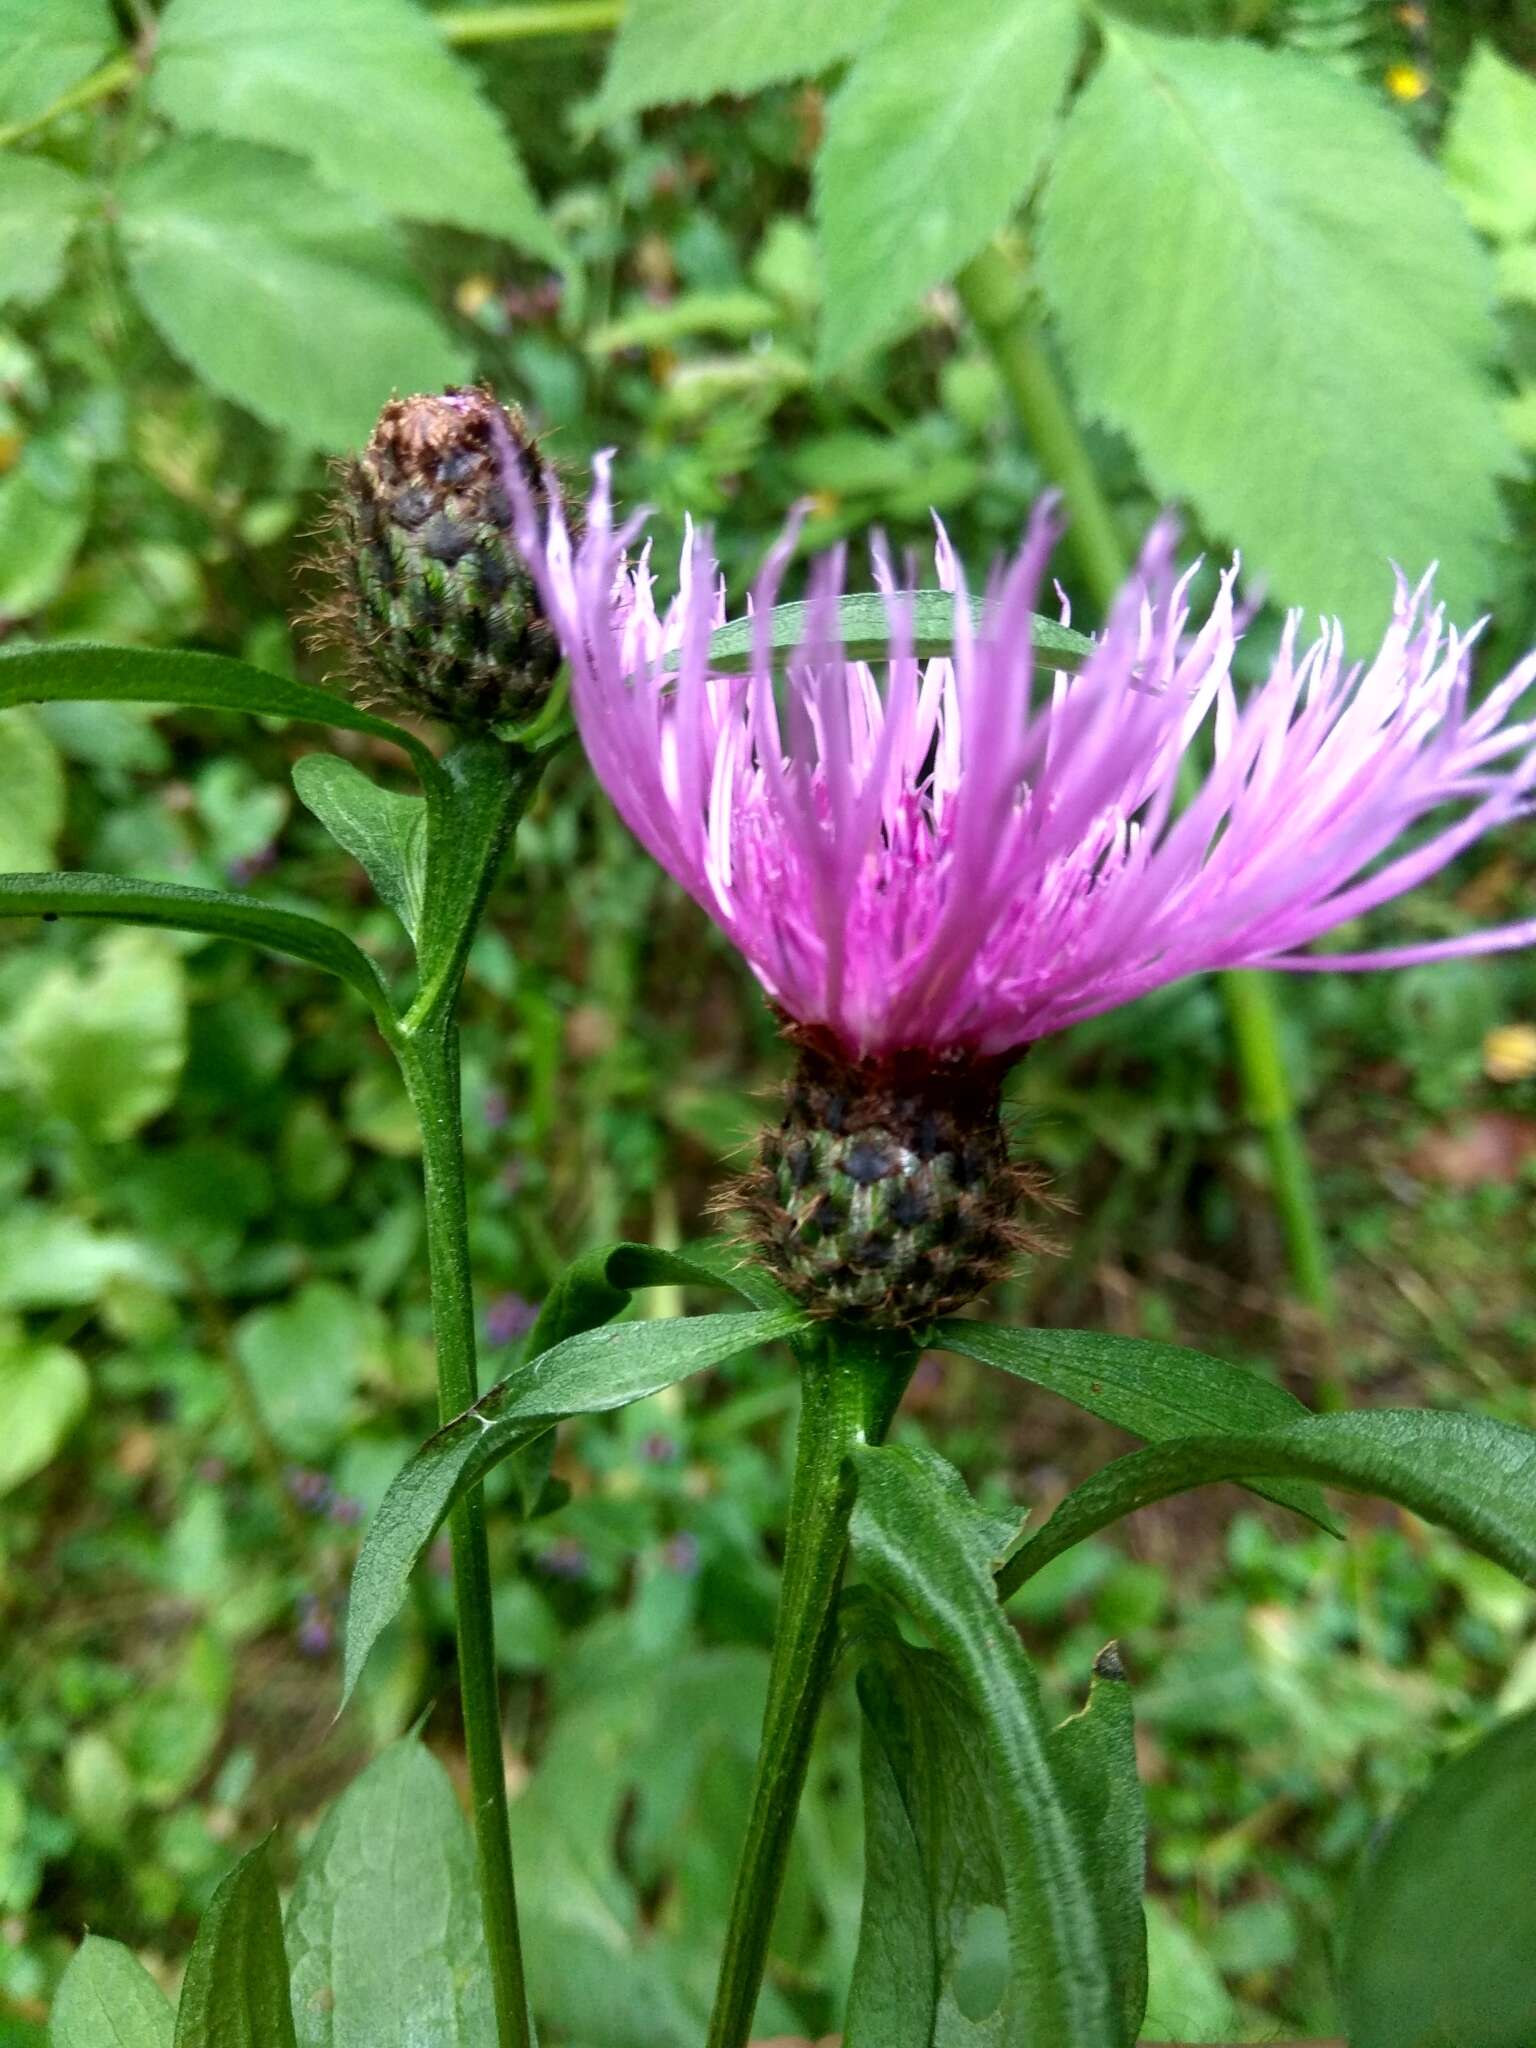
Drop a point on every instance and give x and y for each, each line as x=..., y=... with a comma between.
x=433, y=602
x=886, y=1193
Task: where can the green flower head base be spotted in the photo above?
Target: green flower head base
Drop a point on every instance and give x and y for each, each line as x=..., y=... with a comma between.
x=886, y=1193
x=432, y=601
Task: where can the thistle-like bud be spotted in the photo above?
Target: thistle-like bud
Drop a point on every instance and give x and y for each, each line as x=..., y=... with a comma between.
x=434, y=602
x=886, y=1192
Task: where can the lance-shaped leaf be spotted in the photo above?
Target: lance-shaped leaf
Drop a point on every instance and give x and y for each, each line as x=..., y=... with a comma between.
x=107, y=1999
x=599, y=1285
x=384, y=830
x=123, y=900
x=589, y=1374
x=864, y=623
x=384, y=1934
x=483, y=787
x=235, y=1992
x=1442, y=1948
x=1153, y=1390
x=925, y=1546
x=198, y=682
x=1474, y=1475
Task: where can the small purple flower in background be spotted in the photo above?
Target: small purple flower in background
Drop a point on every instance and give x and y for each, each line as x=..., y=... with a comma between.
x=249, y=867
x=565, y=1558
x=495, y=1109
x=929, y=867
x=659, y=1449
x=316, y=1632
x=440, y=1558
x=509, y=1317
x=346, y=1511
x=309, y=1488
x=680, y=1554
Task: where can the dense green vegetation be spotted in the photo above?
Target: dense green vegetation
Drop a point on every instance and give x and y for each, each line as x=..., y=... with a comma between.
x=214, y=1339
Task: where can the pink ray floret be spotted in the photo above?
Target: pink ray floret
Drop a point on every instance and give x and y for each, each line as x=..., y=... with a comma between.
x=968, y=853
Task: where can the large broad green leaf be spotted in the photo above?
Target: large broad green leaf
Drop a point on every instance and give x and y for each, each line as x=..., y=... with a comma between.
x=1442, y=1948
x=864, y=620
x=1259, y=278
x=589, y=1374
x=932, y=139
x=107, y=1999
x=44, y=1389
x=40, y=208
x=235, y=1992
x=1474, y=1475
x=223, y=916
x=1153, y=1390
x=384, y=1934
x=364, y=88
x=384, y=830
x=672, y=50
x=45, y=47
x=102, y=1043
x=31, y=792
x=925, y=1546
x=285, y=295
x=199, y=682
x=1490, y=146
x=305, y=1359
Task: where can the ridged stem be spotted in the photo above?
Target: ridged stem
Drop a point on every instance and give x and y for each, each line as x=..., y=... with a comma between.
x=996, y=294
x=464, y=26
x=429, y=1060
x=850, y=1389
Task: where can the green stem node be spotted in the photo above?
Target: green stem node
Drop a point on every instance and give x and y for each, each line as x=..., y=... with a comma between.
x=850, y=1388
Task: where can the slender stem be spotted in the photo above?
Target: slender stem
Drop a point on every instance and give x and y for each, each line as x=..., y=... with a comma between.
x=113, y=76
x=515, y=24
x=429, y=1059
x=849, y=1392
x=996, y=293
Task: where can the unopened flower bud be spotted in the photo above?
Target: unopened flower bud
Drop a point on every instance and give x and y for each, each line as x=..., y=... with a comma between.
x=435, y=604
x=886, y=1192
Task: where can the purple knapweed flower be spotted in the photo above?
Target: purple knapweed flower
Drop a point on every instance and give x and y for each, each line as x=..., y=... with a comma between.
x=931, y=864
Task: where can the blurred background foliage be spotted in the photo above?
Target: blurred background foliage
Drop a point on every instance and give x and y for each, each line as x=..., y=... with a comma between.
x=226, y=233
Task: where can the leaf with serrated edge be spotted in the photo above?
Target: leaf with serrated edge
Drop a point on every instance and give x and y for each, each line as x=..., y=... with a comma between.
x=364, y=88
x=864, y=623
x=383, y=830
x=589, y=1374
x=932, y=139
x=235, y=1992
x=107, y=1999
x=45, y=47
x=1474, y=1475
x=383, y=1930
x=924, y=1545
x=1153, y=1390
x=668, y=51
x=1259, y=278
x=241, y=258
x=1490, y=146
x=1442, y=1942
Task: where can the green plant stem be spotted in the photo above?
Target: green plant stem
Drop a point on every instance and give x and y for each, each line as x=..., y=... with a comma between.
x=515, y=24
x=429, y=1059
x=112, y=77
x=849, y=1391
x=995, y=292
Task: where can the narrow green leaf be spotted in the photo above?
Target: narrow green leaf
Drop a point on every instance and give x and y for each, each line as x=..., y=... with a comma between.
x=925, y=1546
x=1442, y=1945
x=364, y=88
x=40, y=207
x=588, y=1374
x=668, y=51
x=1490, y=146
x=864, y=621
x=384, y=1933
x=1094, y=1757
x=383, y=830
x=1475, y=1476
x=46, y=46
x=107, y=1999
x=235, y=1992
x=1153, y=1390
x=90, y=672
x=223, y=916
x=241, y=258
x=1260, y=278
x=932, y=139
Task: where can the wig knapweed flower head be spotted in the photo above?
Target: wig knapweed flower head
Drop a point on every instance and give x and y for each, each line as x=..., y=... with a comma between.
x=929, y=867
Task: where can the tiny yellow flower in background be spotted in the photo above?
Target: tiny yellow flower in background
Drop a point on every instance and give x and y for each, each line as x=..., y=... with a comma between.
x=1509, y=1053
x=1406, y=82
